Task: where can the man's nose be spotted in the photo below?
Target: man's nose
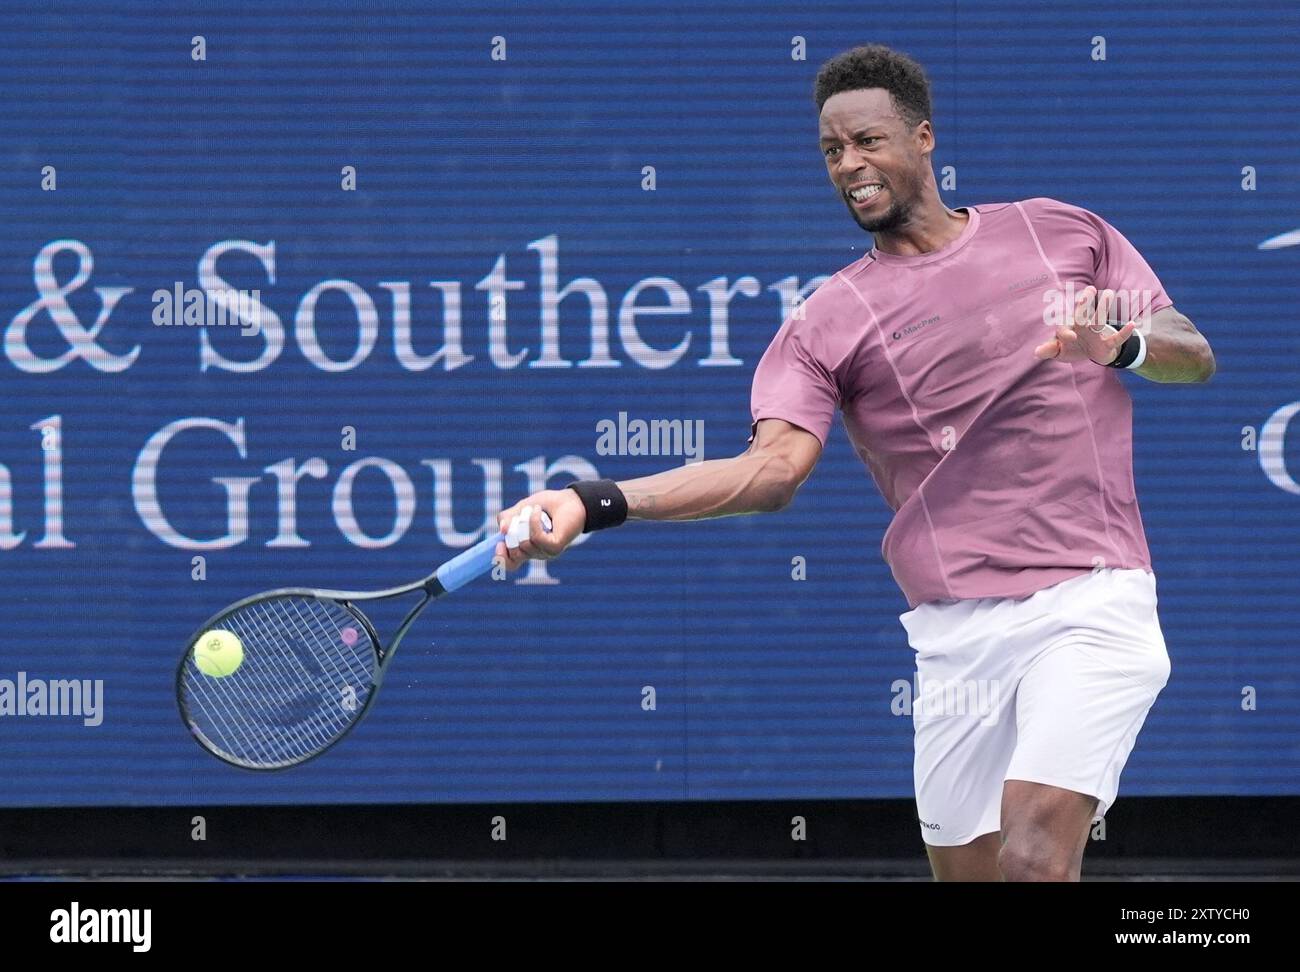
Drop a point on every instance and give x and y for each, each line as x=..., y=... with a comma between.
x=850, y=161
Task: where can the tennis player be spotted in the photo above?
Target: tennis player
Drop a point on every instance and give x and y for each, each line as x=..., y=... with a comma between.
x=975, y=355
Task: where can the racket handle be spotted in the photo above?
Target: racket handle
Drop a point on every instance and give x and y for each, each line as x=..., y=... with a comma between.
x=477, y=560
x=468, y=564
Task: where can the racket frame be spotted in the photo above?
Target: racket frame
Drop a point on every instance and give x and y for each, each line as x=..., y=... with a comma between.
x=384, y=653
x=451, y=576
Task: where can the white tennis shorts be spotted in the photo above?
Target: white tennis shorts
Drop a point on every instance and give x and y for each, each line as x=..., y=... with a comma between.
x=1051, y=688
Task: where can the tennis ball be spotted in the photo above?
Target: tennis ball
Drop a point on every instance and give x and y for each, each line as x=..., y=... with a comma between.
x=218, y=653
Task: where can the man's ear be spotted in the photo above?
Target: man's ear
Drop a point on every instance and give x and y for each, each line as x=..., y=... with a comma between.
x=924, y=134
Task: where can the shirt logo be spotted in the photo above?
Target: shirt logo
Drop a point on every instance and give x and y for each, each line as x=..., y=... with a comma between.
x=911, y=329
x=1027, y=283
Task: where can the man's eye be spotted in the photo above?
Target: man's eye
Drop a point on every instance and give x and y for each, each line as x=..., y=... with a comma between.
x=869, y=138
x=830, y=150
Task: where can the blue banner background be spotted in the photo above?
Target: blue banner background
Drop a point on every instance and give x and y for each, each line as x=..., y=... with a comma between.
x=766, y=687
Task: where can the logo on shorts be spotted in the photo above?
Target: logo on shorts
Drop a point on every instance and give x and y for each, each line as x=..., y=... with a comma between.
x=929, y=826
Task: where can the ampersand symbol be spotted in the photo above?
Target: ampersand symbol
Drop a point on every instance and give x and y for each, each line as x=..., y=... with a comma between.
x=53, y=299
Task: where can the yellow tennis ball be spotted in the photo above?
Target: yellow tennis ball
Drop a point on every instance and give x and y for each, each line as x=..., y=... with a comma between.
x=218, y=653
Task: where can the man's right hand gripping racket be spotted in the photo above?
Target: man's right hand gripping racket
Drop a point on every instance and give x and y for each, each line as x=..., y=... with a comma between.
x=278, y=678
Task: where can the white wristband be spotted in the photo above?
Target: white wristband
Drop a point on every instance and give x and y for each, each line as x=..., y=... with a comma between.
x=1142, y=351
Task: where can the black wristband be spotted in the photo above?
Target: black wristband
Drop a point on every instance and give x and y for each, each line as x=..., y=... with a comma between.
x=1128, y=352
x=606, y=505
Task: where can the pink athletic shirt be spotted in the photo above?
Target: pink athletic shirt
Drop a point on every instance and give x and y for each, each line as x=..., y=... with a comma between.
x=1006, y=474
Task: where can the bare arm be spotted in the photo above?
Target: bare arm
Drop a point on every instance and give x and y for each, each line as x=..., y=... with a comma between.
x=1176, y=350
x=762, y=479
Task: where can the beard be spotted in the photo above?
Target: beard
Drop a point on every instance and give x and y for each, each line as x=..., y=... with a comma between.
x=895, y=216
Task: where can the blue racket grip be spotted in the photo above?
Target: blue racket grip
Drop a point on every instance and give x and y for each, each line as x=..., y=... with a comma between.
x=468, y=564
x=471, y=563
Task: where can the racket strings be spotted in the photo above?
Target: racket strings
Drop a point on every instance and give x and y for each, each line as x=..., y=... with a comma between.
x=308, y=669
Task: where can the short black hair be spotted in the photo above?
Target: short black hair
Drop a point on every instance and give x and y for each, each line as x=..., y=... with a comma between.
x=877, y=66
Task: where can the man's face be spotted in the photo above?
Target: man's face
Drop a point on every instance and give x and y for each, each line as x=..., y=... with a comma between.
x=868, y=147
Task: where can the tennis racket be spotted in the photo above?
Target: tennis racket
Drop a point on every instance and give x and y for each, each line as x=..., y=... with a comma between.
x=311, y=666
